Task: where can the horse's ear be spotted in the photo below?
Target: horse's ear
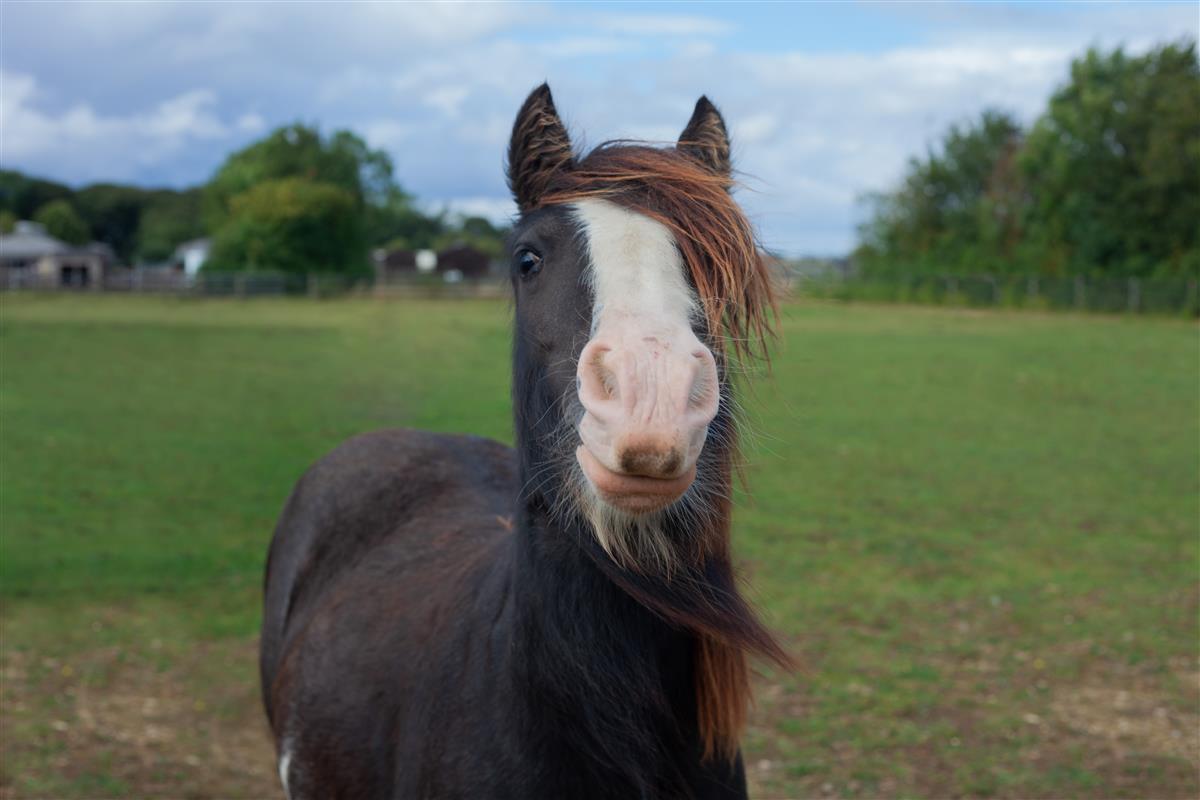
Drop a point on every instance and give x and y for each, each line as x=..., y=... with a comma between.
x=706, y=140
x=539, y=148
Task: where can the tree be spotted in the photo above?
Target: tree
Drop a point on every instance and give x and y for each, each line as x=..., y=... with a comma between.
x=343, y=160
x=291, y=225
x=297, y=151
x=1107, y=181
x=113, y=213
x=477, y=232
x=61, y=221
x=956, y=209
x=1114, y=164
x=23, y=195
x=167, y=220
x=8, y=221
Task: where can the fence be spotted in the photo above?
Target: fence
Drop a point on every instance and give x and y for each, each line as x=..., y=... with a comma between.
x=1113, y=295
x=260, y=284
x=1079, y=293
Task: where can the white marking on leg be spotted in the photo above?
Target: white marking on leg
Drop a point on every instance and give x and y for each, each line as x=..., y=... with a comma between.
x=285, y=761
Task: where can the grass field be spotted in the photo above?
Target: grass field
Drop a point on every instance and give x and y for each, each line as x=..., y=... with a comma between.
x=978, y=530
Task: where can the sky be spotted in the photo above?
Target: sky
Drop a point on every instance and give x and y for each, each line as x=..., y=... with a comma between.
x=825, y=102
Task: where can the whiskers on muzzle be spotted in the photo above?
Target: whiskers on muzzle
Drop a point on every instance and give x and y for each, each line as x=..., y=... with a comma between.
x=664, y=542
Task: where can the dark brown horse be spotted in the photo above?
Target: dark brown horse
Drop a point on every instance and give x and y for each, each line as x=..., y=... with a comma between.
x=446, y=617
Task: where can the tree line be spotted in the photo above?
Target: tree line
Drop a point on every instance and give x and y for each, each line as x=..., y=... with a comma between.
x=295, y=201
x=1105, y=182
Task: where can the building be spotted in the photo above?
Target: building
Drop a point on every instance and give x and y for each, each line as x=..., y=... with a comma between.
x=463, y=262
x=31, y=257
x=190, y=256
x=399, y=264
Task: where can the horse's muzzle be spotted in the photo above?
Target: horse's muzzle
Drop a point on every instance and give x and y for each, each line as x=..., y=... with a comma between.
x=649, y=394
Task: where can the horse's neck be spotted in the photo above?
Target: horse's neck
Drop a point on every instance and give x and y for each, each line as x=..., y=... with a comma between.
x=567, y=601
x=590, y=661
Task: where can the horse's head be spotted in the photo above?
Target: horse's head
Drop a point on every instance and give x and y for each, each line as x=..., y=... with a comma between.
x=635, y=273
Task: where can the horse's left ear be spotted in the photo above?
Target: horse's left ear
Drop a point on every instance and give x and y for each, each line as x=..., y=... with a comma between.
x=539, y=149
x=706, y=140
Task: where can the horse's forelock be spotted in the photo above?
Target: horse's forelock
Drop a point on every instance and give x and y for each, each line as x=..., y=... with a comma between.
x=714, y=237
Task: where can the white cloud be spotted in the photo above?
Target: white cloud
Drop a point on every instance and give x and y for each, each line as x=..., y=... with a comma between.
x=167, y=90
x=447, y=99
x=660, y=25
x=92, y=145
x=387, y=134
x=251, y=122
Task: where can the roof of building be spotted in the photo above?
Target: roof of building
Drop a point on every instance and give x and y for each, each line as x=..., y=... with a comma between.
x=30, y=240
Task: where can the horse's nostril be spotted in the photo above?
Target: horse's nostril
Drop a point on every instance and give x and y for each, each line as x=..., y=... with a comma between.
x=651, y=462
x=608, y=380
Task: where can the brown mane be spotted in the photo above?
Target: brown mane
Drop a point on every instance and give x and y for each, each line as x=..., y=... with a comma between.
x=714, y=236
x=718, y=245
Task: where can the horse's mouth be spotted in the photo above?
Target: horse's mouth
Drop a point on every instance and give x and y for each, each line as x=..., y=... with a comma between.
x=633, y=494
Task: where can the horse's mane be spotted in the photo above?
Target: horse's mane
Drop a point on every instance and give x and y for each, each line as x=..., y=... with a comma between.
x=713, y=235
x=718, y=245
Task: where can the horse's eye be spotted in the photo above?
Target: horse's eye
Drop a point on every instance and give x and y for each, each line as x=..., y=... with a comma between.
x=529, y=262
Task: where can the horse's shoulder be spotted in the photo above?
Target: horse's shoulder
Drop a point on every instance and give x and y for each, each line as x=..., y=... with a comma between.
x=418, y=460
x=392, y=508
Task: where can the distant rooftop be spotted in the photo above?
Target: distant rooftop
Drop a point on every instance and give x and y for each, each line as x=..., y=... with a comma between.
x=30, y=240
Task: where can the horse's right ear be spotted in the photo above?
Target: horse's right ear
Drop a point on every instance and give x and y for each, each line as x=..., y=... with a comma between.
x=539, y=148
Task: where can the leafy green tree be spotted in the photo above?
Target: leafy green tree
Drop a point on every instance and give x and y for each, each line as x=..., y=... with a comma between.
x=167, y=220
x=62, y=222
x=291, y=225
x=399, y=224
x=958, y=208
x=8, y=221
x=113, y=213
x=297, y=151
x=1107, y=181
x=23, y=195
x=343, y=160
x=477, y=232
x=1114, y=164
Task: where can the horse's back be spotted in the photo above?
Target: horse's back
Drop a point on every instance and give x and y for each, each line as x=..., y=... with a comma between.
x=387, y=518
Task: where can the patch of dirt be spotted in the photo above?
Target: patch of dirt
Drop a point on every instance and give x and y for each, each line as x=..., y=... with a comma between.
x=1134, y=718
x=1116, y=731
x=194, y=730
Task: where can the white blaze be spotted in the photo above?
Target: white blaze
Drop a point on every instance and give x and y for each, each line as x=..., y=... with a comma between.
x=636, y=270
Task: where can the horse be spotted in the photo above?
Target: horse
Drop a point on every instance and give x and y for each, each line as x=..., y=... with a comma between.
x=446, y=617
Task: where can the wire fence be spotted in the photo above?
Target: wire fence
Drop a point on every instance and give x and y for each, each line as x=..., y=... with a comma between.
x=1177, y=296
x=259, y=284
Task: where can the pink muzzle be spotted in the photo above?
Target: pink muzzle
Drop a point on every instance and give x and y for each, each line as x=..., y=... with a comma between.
x=649, y=393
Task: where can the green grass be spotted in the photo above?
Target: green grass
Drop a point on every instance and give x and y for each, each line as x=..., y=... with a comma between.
x=978, y=530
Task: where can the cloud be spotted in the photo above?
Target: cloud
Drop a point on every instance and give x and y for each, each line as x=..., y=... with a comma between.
x=168, y=90
x=447, y=99
x=250, y=123
x=660, y=25
x=89, y=145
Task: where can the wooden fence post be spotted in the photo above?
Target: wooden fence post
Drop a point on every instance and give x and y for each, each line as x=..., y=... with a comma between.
x=1135, y=295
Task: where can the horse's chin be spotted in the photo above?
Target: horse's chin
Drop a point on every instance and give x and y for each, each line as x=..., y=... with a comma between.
x=635, y=495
